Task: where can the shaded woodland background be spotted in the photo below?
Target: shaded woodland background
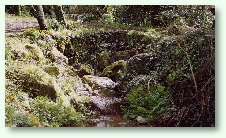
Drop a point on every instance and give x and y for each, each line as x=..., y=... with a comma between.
x=160, y=58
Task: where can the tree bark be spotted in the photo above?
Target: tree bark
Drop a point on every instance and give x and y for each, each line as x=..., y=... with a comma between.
x=17, y=10
x=39, y=14
x=59, y=14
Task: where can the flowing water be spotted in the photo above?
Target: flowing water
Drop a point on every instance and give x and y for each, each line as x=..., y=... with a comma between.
x=107, y=102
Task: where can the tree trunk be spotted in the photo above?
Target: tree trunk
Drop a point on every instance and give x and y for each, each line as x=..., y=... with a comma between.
x=39, y=14
x=59, y=14
x=17, y=10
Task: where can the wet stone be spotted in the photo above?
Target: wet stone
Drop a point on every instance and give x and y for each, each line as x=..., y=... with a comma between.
x=99, y=82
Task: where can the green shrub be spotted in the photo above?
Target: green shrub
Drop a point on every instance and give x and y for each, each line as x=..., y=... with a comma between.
x=137, y=15
x=55, y=114
x=199, y=16
x=14, y=117
x=17, y=107
x=55, y=25
x=90, y=12
x=149, y=102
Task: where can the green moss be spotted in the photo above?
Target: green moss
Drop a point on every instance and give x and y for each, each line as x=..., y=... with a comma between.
x=34, y=50
x=84, y=70
x=115, y=70
x=56, y=56
x=20, y=48
x=52, y=70
x=33, y=80
x=88, y=80
x=134, y=32
x=107, y=92
x=103, y=60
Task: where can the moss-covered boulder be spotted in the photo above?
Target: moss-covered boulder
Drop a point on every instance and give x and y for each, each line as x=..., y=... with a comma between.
x=52, y=70
x=99, y=82
x=33, y=80
x=84, y=70
x=26, y=50
x=56, y=56
x=103, y=60
x=115, y=70
x=141, y=120
x=39, y=82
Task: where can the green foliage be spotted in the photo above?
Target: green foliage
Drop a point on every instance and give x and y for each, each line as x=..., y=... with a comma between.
x=103, y=60
x=8, y=52
x=14, y=117
x=90, y=12
x=25, y=11
x=132, y=15
x=150, y=103
x=106, y=19
x=198, y=16
x=23, y=111
x=55, y=25
x=55, y=114
x=17, y=107
x=115, y=70
x=156, y=15
x=33, y=34
x=32, y=79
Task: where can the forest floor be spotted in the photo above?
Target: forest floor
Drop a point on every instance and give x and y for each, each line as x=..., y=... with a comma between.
x=15, y=26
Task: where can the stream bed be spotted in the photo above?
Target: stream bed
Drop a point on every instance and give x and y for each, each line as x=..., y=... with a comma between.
x=107, y=102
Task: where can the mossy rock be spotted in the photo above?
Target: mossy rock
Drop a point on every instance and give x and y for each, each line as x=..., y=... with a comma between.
x=98, y=83
x=37, y=82
x=34, y=50
x=84, y=70
x=52, y=70
x=103, y=60
x=56, y=56
x=141, y=120
x=27, y=51
x=115, y=70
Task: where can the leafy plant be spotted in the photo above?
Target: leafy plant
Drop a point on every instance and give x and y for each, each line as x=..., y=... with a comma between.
x=55, y=114
x=150, y=103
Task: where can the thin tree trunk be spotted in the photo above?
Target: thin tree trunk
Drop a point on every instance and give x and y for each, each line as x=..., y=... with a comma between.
x=17, y=10
x=39, y=14
x=59, y=14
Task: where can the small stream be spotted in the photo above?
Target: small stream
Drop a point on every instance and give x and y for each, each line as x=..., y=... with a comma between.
x=107, y=102
x=110, y=121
